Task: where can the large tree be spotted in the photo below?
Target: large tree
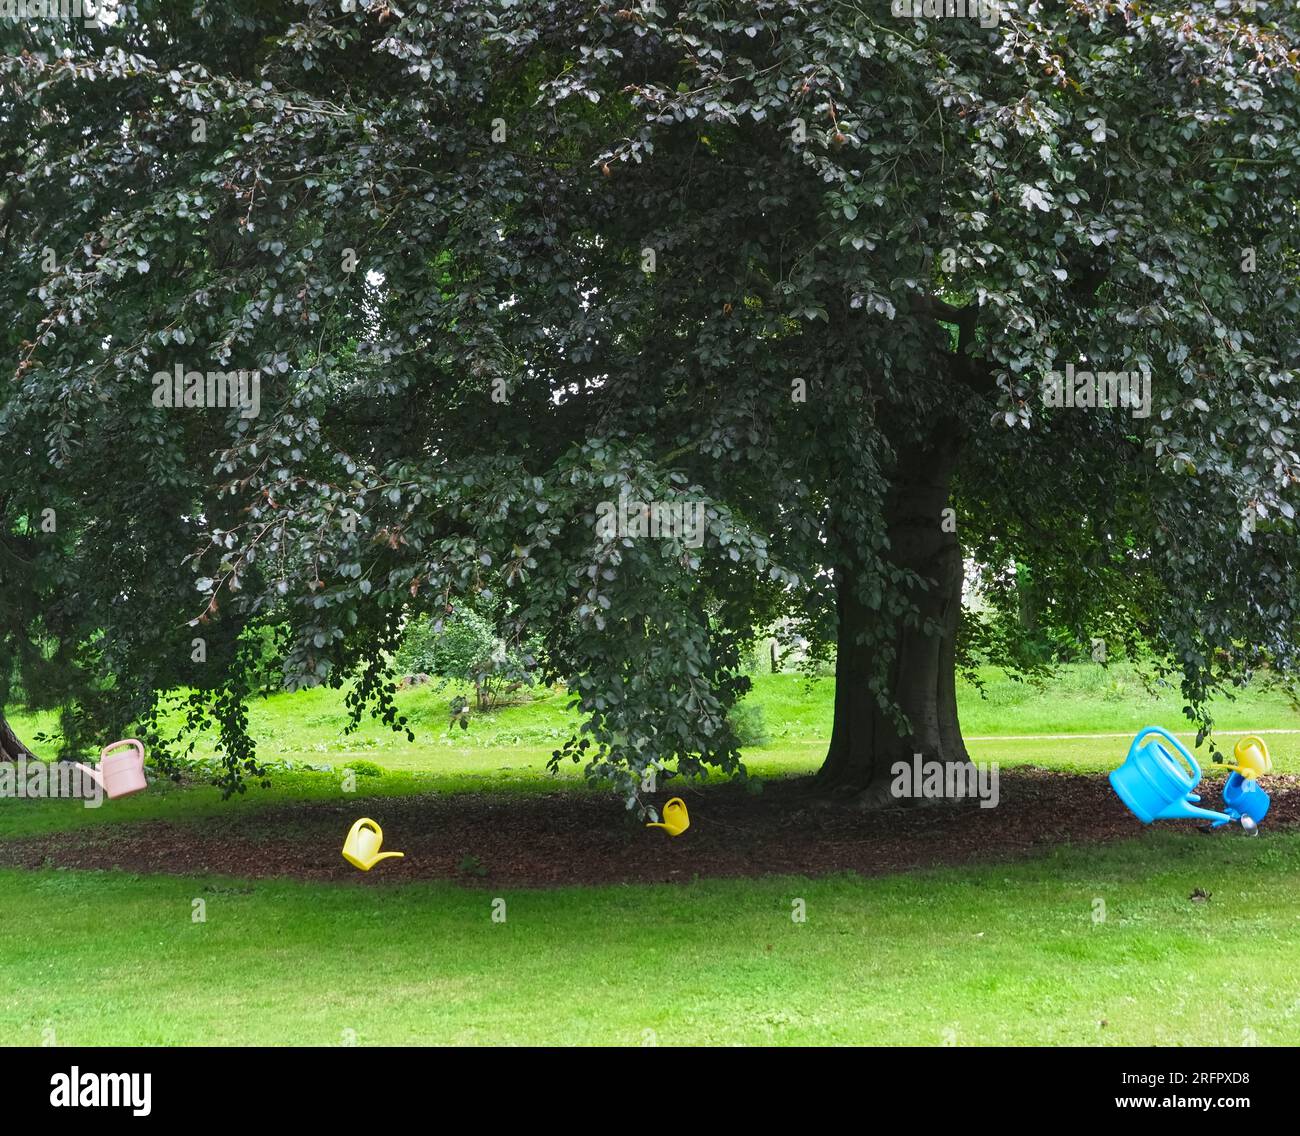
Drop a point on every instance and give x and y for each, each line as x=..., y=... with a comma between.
x=805, y=264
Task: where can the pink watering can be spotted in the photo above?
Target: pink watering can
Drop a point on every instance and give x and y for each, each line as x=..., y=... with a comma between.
x=121, y=774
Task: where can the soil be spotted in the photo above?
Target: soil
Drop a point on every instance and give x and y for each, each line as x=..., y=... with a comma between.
x=565, y=838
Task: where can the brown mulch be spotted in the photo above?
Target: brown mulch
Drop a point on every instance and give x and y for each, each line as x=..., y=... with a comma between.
x=562, y=838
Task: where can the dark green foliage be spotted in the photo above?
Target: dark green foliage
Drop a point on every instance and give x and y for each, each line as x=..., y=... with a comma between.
x=1097, y=169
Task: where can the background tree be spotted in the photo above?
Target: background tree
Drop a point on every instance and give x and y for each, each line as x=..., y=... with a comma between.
x=803, y=263
x=466, y=648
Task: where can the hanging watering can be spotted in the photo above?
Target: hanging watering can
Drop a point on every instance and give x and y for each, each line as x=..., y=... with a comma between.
x=121, y=774
x=1157, y=779
x=361, y=848
x=676, y=820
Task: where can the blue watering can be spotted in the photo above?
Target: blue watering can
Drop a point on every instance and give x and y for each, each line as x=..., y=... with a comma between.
x=1244, y=799
x=1155, y=785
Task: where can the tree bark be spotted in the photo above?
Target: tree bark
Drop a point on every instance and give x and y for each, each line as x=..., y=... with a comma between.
x=11, y=749
x=865, y=740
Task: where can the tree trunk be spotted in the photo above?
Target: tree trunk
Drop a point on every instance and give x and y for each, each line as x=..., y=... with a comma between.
x=1025, y=601
x=865, y=740
x=11, y=749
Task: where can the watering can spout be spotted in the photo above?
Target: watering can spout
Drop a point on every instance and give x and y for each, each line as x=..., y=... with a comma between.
x=1184, y=808
x=91, y=772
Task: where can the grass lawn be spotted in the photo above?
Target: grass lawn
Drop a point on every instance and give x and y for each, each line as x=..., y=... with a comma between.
x=993, y=954
x=511, y=745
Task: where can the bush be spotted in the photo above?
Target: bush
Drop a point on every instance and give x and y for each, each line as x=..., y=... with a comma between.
x=465, y=648
x=748, y=724
x=450, y=651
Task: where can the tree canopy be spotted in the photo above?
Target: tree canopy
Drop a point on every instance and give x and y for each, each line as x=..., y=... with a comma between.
x=806, y=265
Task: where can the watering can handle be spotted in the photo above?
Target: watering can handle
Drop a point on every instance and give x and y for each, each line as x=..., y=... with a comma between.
x=103, y=753
x=1178, y=746
x=366, y=822
x=1249, y=742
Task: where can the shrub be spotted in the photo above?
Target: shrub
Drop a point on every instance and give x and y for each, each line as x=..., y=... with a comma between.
x=748, y=724
x=465, y=648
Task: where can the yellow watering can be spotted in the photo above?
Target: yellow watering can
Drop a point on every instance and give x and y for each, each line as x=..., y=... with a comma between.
x=1252, y=758
x=675, y=820
x=361, y=848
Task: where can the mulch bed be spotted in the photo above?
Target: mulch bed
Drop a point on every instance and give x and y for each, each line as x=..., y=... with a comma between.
x=499, y=839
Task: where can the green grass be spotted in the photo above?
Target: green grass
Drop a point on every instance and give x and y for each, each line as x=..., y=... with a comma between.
x=983, y=955
x=307, y=727
x=994, y=955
